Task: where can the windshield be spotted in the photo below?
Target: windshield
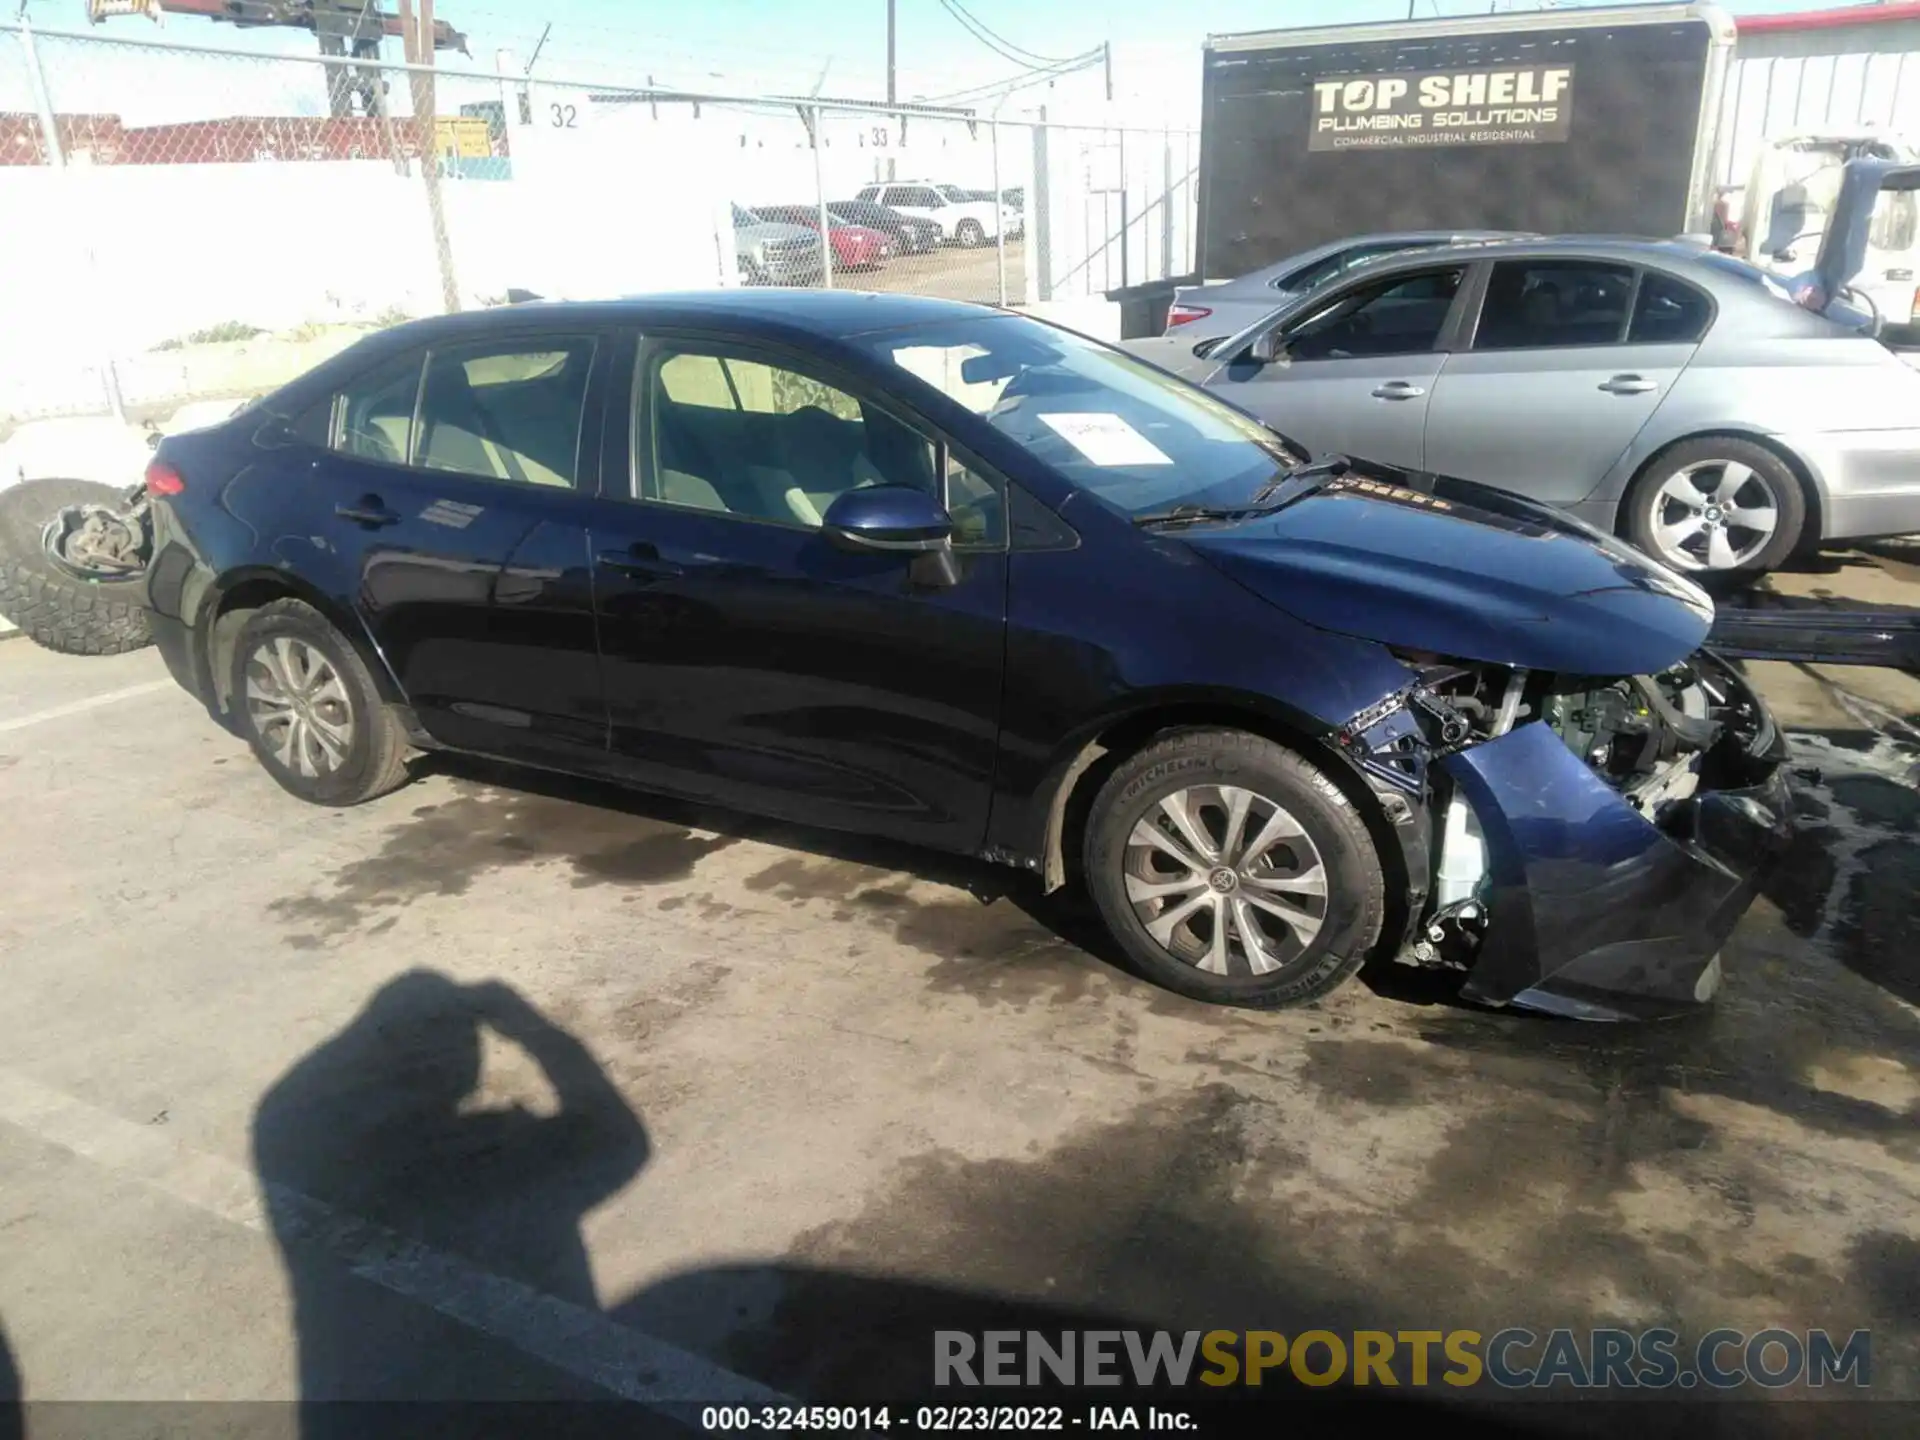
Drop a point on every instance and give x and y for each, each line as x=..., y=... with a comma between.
x=952, y=192
x=1131, y=435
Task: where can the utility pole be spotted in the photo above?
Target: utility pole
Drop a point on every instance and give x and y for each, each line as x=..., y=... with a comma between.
x=417, y=41
x=892, y=33
x=1106, y=59
x=893, y=25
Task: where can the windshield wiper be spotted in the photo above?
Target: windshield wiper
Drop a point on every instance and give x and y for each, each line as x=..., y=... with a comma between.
x=1317, y=475
x=1275, y=495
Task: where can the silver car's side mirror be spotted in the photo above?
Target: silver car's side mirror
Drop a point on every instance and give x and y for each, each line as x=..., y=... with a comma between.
x=1268, y=348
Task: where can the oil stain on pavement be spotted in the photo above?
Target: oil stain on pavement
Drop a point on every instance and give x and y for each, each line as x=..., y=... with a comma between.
x=441, y=849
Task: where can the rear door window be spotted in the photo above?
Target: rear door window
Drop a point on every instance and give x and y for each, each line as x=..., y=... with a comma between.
x=1546, y=304
x=506, y=411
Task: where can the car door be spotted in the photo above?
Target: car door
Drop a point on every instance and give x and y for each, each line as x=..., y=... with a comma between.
x=1567, y=363
x=450, y=500
x=1353, y=373
x=750, y=662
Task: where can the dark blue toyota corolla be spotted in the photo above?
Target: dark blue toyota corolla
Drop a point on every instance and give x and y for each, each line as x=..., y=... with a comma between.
x=964, y=579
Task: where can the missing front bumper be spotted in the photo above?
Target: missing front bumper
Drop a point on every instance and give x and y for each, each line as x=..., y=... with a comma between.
x=1594, y=910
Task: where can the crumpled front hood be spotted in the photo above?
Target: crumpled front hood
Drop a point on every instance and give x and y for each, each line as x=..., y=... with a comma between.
x=1465, y=572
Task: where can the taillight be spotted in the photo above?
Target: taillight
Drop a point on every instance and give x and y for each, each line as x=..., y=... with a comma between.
x=1913, y=311
x=163, y=479
x=1186, y=314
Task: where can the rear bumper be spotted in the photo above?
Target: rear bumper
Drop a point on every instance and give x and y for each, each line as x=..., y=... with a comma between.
x=1594, y=911
x=185, y=660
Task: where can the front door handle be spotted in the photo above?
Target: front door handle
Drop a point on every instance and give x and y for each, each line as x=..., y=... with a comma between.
x=370, y=511
x=1398, y=390
x=1630, y=385
x=641, y=558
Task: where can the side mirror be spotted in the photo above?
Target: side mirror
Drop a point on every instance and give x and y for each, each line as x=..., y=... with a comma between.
x=893, y=518
x=1268, y=347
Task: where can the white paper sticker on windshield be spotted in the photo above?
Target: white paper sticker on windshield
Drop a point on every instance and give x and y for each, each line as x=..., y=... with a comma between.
x=1106, y=439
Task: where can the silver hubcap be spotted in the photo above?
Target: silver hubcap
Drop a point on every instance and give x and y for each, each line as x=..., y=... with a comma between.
x=299, y=706
x=1226, y=880
x=1713, y=516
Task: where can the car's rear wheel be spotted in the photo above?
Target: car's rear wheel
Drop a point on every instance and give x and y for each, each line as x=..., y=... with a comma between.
x=970, y=233
x=1717, y=506
x=311, y=710
x=1232, y=870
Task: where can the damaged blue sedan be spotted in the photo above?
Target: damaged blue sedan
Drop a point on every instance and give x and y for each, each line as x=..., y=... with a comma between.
x=963, y=579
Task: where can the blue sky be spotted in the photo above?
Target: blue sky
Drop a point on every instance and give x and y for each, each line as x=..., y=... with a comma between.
x=793, y=45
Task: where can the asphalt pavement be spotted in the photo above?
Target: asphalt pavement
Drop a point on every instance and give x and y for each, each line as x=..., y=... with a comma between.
x=507, y=1087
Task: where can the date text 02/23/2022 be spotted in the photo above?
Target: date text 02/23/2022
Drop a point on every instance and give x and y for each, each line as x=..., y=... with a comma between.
x=940, y=1419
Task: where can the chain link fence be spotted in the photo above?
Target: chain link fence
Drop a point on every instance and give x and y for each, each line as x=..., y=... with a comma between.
x=190, y=221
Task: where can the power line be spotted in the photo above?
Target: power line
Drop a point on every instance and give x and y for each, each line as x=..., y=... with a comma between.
x=1009, y=86
x=1004, y=49
x=984, y=31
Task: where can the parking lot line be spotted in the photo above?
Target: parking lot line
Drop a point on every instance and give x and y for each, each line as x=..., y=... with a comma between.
x=80, y=707
x=626, y=1363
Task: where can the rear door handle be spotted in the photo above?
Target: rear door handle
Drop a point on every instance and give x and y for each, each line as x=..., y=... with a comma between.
x=1398, y=390
x=1630, y=385
x=368, y=510
x=641, y=558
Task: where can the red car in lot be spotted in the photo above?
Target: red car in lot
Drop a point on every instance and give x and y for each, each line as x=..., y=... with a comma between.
x=855, y=247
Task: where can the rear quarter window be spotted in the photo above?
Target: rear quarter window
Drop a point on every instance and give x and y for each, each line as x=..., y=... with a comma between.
x=1668, y=312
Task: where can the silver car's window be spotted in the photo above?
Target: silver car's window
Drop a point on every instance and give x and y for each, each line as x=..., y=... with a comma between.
x=1668, y=312
x=1121, y=429
x=1544, y=304
x=1398, y=315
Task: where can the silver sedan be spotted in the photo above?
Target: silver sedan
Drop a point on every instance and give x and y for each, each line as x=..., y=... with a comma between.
x=1673, y=395
x=1220, y=307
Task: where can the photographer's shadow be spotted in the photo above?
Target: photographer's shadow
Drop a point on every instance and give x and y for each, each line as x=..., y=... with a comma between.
x=386, y=1123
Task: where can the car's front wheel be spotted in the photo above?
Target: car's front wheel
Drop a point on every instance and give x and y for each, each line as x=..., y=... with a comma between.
x=310, y=709
x=971, y=234
x=1716, y=505
x=1231, y=869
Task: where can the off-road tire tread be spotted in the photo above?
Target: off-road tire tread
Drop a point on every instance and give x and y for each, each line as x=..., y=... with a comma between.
x=53, y=609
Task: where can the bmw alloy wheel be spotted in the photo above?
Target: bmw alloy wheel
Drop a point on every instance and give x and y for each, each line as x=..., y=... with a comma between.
x=1226, y=880
x=299, y=706
x=1713, y=515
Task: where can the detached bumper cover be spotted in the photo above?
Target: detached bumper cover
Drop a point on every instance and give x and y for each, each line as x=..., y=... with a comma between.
x=1594, y=911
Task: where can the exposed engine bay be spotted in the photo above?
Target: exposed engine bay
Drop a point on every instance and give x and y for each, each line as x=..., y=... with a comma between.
x=1657, y=740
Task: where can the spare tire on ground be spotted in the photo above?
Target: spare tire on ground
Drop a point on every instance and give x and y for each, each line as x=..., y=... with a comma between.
x=52, y=607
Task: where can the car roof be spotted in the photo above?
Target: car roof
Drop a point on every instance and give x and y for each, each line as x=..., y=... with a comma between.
x=1622, y=249
x=829, y=314
x=1379, y=237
